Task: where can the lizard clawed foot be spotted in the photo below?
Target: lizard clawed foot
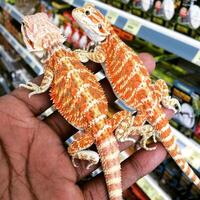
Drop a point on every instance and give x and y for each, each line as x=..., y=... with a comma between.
x=171, y=103
x=31, y=86
x=144, y=145
x=88, y=48
x=124, y=130
x=73, y=162
x=91, y=156
x=127, y=139
x=92, y=162
x=81, y=55
x=146, y=132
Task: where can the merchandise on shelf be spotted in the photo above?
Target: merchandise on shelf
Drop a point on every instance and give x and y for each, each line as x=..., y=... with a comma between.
x=165, y=12
x=14, y=69
x=187, y=121
x=10, y=1
x=26, y=7
x=142, y=8
x=188, y=18
x=196, y=135
x=174, y=182
x=115, y=3
x=11, y=25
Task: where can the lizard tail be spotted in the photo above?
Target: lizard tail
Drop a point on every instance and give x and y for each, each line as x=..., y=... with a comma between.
x=161, y=125
x=108, y=150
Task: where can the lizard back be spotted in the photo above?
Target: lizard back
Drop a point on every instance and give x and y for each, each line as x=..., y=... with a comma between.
x=125, y=71
x=76, y=88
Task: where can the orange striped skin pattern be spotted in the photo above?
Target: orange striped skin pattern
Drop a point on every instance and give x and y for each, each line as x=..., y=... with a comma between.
x=79, y=98
x=132, y=84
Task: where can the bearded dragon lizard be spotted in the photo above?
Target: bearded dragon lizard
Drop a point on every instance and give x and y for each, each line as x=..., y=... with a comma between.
x=131, y=83
x=78, y=96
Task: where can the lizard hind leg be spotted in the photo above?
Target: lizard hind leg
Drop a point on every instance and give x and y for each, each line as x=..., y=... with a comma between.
x=147, y=131
x=129, y=127
x=123, y=132
x=77, y=149
x=88, y=155
x=121, y=121
x=161, y=93
x=133, y=125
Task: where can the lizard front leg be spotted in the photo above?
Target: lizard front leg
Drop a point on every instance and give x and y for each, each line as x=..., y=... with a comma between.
x=76, y=149
x=161, y=93
x=45, y=84
x=97, y=55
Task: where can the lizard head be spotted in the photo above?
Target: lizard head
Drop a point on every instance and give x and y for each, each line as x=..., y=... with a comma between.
x=40, y=34
x=92, y=22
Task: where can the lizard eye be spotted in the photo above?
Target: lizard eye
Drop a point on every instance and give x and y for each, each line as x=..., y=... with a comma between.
x=100, y=26
x=87, y=12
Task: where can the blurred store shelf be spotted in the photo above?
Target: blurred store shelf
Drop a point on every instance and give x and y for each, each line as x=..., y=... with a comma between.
x=167, y=39
x=23, y=52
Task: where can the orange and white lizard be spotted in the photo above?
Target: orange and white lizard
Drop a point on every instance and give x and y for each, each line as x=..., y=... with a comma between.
x=132, y=84
x=79, y=98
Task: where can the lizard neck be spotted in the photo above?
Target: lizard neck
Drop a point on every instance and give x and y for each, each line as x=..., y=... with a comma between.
x=53, y=54
x=111, y=42
x=53, y=57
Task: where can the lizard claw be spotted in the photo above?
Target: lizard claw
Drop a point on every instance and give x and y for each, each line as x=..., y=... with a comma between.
x=171, y=103
x=81, y=55
x=94, y=160
x=127, y=139
x=73, y=162
x=31, y=94
x=90, y=165
x=143, y=145
x=178, y=107
x=31, y=86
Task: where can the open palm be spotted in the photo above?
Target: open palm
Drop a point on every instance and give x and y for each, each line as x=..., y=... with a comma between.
x=34, y=163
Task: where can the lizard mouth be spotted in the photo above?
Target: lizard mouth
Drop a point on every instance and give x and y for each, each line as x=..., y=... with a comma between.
x=30, y=45
x=28, y=42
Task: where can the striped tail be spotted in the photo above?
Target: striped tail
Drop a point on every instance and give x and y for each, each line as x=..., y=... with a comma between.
x=108, y=150
x=161, y=125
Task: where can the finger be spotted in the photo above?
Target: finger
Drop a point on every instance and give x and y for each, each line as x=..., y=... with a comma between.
x=169, y=113
x=83, y=172
x=60, y=125
x=37, y=103
x=140, y=164
x=148, y=61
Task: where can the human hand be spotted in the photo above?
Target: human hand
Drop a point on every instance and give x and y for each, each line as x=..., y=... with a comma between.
x=34, y=163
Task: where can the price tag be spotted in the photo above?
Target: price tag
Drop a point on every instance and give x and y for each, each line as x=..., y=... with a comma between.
x=132, y=27
x=8, y=8
x=192, y=156
x=196, y=59
x=100, y=75
x=112, y=17
x=69, y=1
